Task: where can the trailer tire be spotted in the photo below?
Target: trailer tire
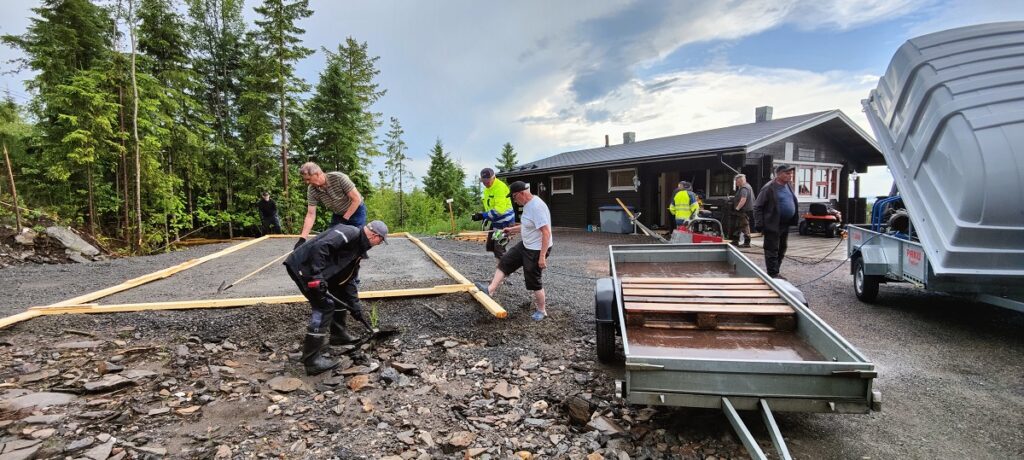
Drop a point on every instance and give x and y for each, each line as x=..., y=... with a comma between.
x=865, y=286
x=605, y=342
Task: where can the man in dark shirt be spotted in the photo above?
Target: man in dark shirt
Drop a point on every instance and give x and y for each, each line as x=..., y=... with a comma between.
x=774, y=211
x=329, y=263
x=268, y=214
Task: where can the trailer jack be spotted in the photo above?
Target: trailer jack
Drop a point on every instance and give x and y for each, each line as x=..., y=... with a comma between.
x=748, y=439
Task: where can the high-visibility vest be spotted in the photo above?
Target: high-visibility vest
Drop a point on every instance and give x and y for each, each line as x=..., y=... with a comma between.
x=497, y=205
x=684, y=205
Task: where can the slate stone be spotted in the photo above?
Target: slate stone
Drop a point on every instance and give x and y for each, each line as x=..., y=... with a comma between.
x=40, y=400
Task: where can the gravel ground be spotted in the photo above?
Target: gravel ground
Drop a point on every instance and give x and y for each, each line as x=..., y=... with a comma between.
x=31, y=285
x=949, y=370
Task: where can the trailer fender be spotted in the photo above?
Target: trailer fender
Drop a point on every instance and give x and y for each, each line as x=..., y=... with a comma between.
x=874, y=260
x=604, y=301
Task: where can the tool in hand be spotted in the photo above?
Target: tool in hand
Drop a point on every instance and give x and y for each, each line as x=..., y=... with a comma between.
x=358, y=314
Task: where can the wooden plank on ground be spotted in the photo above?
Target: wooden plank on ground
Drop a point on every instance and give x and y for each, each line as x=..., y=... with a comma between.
x=696, y=293
x=157, y=275
x=493, y=307
x=720, y=300
x=672, y=287
x=23, y=316
x=636, y=280
x=720, y=309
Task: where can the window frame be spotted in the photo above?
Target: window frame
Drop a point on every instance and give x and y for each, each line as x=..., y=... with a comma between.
x=621, y=188
x=569, y=191
x=730, y=187
x=832, y=174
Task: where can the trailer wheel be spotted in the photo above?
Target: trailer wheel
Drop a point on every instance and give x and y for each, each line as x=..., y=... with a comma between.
x=865, y=286
x=605, y=342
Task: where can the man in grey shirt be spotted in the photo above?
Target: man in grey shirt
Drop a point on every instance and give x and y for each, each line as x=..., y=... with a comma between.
x=742, y=207
x=335, y=191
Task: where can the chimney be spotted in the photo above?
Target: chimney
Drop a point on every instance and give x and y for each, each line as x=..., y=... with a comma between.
x=628, y=137
x=606, y=140
x=763, y=113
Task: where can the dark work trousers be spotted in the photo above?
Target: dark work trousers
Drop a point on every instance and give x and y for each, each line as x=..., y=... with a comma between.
x=775, y=250
x=323, y=309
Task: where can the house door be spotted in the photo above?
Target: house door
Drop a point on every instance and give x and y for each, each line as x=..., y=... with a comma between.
x=667, y=182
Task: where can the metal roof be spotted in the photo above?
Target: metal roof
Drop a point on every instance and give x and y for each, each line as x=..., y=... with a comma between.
x=745, y=137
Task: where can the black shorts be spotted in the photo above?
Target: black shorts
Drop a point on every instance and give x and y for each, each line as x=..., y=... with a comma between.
x=519, y=256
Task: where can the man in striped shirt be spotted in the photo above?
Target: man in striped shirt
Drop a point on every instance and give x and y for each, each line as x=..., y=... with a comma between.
x=335, y=191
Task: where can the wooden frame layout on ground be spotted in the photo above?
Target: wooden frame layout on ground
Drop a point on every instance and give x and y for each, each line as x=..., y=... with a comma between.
x=81, y=304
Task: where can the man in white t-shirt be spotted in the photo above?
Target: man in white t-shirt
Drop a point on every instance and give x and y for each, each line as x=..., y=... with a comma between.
x=532, y=252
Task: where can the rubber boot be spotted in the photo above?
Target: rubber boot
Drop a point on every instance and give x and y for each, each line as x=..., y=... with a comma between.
x=339, y=334
x=311, y=356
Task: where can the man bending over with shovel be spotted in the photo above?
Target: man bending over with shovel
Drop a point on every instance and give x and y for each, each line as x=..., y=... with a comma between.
x=325, y=269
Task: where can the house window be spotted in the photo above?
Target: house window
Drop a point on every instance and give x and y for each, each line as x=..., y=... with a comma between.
x=621, y=180
x=803, y=180
x=805, y=154
x=721, y=183
x=561, y=184
x=817, y=183
x=821, y=183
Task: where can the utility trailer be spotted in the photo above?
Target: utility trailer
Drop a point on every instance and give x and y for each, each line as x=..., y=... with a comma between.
x=703, y=326
x=949, y=119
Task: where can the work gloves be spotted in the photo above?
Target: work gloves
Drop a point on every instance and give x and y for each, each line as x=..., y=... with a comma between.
x=299, y=243
x=478, y=216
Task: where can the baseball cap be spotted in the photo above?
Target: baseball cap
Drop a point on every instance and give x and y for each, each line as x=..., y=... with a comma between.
x=486, y=173
x=784, y=167
x=379, y=228
x=516, y=187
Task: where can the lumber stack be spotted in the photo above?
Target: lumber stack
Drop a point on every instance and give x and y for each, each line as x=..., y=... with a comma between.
x=732, y=304
x=478, y=236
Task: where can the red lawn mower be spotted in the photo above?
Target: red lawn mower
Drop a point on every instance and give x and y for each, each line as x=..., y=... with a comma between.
x=821, y=219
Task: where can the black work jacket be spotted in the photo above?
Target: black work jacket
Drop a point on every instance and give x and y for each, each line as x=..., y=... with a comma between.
x=268, y=209
x=336, y=250
x=766, y=210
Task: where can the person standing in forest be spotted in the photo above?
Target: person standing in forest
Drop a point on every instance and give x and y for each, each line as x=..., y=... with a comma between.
x=335, y=191
x=268, y=214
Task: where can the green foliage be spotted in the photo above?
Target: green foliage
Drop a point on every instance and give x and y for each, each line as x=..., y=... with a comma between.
x=423, y=213
x=446, y=179
x=342, y=126
x=374, y=315
x=507, y=160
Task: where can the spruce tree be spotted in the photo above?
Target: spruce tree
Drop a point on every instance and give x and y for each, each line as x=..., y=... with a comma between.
x=507, y=160
x=396, y=166
x=282, y=40
x=446, y=179
x=342, y=124
x=69, y=46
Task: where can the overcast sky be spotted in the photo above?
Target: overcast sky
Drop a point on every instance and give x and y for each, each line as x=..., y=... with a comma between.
x=553, y=76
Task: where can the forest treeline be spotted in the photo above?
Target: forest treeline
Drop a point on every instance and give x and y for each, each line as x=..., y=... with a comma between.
x=147, y=120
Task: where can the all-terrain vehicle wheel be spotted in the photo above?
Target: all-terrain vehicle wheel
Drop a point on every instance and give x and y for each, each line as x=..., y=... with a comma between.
x=605, y=342
x=865, y=286
x=802, y=228
x=833, y=230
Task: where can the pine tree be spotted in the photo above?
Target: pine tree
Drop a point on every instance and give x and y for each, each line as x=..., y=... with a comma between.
x=396, y=166
x=217, y=31
x=69, y=47
x=182, y=125
x=282, y=38
x=342, y=125
x=507, y=160
x=446, y=179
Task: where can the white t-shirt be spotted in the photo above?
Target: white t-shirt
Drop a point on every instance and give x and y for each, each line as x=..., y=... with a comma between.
x=535, y=215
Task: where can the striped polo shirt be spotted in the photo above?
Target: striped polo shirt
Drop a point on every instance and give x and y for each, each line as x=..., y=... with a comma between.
x=334, y=193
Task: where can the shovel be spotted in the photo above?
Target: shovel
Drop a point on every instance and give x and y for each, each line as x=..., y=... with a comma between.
x=225, y=286
x=375, y=333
